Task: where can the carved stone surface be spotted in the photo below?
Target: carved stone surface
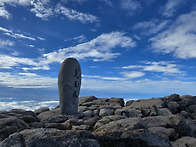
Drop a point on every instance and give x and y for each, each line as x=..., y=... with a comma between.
x=69, y=82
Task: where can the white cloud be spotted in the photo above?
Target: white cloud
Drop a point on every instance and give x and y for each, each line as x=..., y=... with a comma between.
x=15, y=35
x=4, y=13
x=132, y=74
x=145, y=86
x=150, y=27
x=171, y=7
x=179, y=39
x=98, y=49
x=28, y=105
x=131, y=6
x=103, y=78
x=75, y=15
x=27, y=80
x=4, y=43
x=41, y=8
x=162, y=66
x=7, y=62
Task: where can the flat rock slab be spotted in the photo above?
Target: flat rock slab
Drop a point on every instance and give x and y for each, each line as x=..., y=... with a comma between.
x=69, y=82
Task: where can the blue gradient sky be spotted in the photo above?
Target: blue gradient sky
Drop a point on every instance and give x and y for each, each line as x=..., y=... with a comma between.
x=126, y=48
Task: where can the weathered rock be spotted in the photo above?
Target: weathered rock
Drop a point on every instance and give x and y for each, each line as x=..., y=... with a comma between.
x=27, y=116
x=181, y=126
x=46, y=115
x=40, y=110
x=50, y=138
x=116, y=102
x=148, y=103
x=157, y=121
x=11, y=125
x=69, y=82
x=72, y=122
x=164, y=112
x=128, y=103
x=82, y=108
x=98, y=102
x=173, y=97
x=163, y=132
x=88, y=113
x=58, y=119
x=58, y=126
x=185, y=142
x=108, y=119
x=105, y=112
x=91, y=121
x=86, y=99
x=81, y=127
x=128, y=132
x=174, y=107
x=186, y=101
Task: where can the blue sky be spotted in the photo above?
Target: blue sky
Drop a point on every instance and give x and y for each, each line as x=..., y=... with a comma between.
x=126, y=48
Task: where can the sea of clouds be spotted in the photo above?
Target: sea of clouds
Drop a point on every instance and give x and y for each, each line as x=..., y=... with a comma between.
x=27, y=105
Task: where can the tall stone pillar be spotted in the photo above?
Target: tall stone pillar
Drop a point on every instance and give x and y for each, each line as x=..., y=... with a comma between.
x=69, y=82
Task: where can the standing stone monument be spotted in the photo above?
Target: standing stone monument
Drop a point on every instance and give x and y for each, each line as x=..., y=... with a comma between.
x=69, y=82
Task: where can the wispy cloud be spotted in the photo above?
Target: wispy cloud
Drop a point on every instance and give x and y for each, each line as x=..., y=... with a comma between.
x=13, y=34
x=4, y=43
x=75, y=15
x=162, y=66
x=132, y=74
x=7, y=62
x=131, y=6
x=42, y=9
x=27, y=80
x=4, y=13
x=150, y=27
x=98, y=49
x=179, y=39
x=171, y=7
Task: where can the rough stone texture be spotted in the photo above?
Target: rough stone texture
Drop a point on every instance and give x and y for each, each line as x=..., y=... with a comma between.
x=105, y=112
x=27, y=116
x=128, y=103
x=69, y=82
x=11, y=125
x=86, y=99
x=128, y=132
x=116, y=101
x=50, y=138
x=185, y=142
x=148, y=103
x=40, y=110
x=152, y=125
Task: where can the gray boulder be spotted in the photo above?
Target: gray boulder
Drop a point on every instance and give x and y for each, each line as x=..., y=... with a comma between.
x=105, y=112
x=116, y=101
x=185, y=142
x=86, y=99
x=128, y=132
x=40, y=110
x=50, y=138
x=128, y=103
x=11, y=125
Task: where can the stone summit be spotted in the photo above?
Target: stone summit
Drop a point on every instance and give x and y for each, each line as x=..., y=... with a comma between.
x=168, y=121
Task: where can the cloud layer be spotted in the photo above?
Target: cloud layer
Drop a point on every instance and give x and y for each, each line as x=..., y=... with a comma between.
x=179, y=39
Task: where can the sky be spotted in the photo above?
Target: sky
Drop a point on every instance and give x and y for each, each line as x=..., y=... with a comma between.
x=126, y=48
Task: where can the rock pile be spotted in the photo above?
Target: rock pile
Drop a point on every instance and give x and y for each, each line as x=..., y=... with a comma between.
x=101, y=122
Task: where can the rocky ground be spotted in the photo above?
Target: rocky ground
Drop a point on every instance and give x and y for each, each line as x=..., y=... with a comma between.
x=157, y=122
